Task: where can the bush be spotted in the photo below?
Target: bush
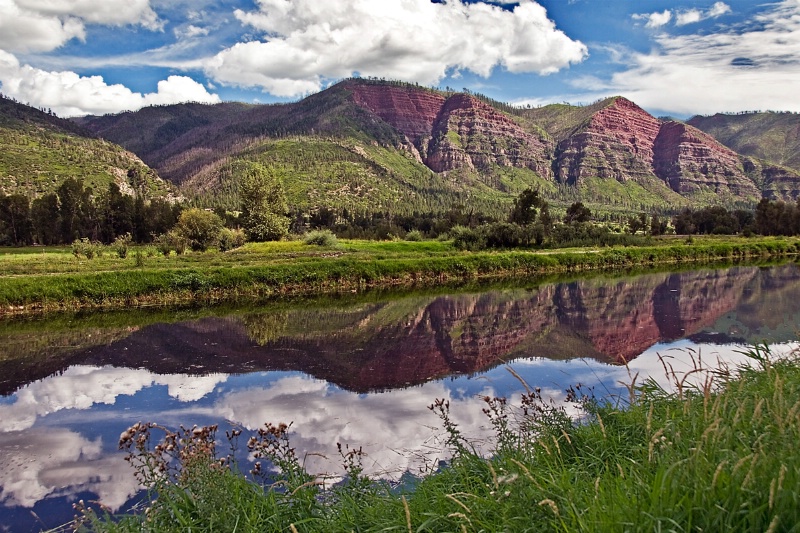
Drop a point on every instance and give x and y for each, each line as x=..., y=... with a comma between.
x=323, y=237
x=467, y=238
x=178, y=242
x=85, y=247
x=199, y=228
x=121, y=245
x=230, y=239
x=163, y=245
x=414, y=236
x=168, y=242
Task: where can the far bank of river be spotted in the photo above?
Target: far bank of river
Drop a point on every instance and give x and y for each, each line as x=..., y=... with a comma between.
x=218, y=277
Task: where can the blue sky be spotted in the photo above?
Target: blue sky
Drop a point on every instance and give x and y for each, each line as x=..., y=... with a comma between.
x=675, y=58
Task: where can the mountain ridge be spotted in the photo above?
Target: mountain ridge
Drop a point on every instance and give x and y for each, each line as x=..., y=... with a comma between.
x=367, y=144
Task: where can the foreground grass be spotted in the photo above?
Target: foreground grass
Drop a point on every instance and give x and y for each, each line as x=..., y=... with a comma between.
x=57, y=280
x=720, y=456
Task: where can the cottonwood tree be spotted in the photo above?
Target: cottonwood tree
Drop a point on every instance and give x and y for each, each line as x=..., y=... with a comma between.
x=525, y=207
x=263, y=205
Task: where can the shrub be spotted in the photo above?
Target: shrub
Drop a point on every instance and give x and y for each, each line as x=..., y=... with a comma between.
x=85, y=247
x=467, y=238
x=80, y=246
x=121, y=245
x=414, y=236
x=162, y=244
x=199, y=228
x=230, y=239
x=323, y=237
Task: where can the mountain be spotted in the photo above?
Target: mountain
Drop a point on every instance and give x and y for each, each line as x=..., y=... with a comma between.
x=771, y=140
x=38, y=151
x=773, y=137
x=376, y=145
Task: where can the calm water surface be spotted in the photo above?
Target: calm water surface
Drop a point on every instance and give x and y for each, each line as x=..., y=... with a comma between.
x=359, y=373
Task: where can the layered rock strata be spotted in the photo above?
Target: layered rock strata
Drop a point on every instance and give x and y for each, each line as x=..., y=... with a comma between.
x=691, y=161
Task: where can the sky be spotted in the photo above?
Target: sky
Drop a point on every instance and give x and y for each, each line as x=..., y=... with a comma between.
x=677, y=57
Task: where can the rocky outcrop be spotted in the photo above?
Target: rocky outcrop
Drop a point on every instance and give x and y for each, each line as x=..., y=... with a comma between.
x=615, y=143
x=411, y=111
x=456, y=132
x=691, y=162
x=473, y=134
x=777, y=182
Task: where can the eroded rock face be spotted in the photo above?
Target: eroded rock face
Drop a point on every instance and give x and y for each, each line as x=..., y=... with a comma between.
x=473, y=134
x=621, y=141
x=455, y=132
x=411, y=111
x=691, y=161
x=778, y=183
x=616, y=143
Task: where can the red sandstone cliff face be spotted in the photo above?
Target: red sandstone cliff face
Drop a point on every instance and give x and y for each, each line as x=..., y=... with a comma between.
x=456, y=132
x=691, y=161
x=616, y=143
x=411, y=111
x=619, y=141
x=473, y=134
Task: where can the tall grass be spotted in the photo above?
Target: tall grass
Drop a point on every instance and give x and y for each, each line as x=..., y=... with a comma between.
x=711, y=454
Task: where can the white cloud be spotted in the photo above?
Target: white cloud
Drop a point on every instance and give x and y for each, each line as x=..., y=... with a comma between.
x=719, y=9
x=72, y=465
x=682, y=16
x=24, y=31
x=655, y=20
x=307, y=42
x=689, y=16
x=44, y=25
x=69, y=94
x=751, y=67
x=190, y=31
x=107, y=12
x=81, y=387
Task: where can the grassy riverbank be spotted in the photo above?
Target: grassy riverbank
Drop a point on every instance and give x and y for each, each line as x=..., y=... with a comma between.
x=719, y=456
x=54, y=279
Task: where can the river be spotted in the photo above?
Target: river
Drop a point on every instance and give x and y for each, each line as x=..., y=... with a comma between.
x=357, y=370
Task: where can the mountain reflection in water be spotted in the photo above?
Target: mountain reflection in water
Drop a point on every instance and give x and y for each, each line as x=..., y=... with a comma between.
x=359, y=374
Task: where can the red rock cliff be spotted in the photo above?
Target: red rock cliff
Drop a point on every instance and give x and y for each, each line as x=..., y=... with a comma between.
x=691, y=161
x=617, y=143
x=473, y=134
x=411, y=111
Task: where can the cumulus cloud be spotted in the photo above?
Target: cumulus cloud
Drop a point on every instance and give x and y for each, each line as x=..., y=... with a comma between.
x=44, y=25
x=71, y=466
x=655, y=20
x=69, y=94
x=306, y=42
x=108, y=12
x=756, y=66
x=82, y=387
x=682, y=16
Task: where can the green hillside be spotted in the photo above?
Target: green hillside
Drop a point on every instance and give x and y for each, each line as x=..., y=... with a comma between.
x=773, y=137
x=38, y=151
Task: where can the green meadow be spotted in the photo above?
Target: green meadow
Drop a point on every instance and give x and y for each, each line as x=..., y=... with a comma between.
x=37, y=279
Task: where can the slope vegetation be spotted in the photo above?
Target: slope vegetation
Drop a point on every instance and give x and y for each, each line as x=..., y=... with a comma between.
x=773, y=137
x=38, y=151
x=369, y=145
